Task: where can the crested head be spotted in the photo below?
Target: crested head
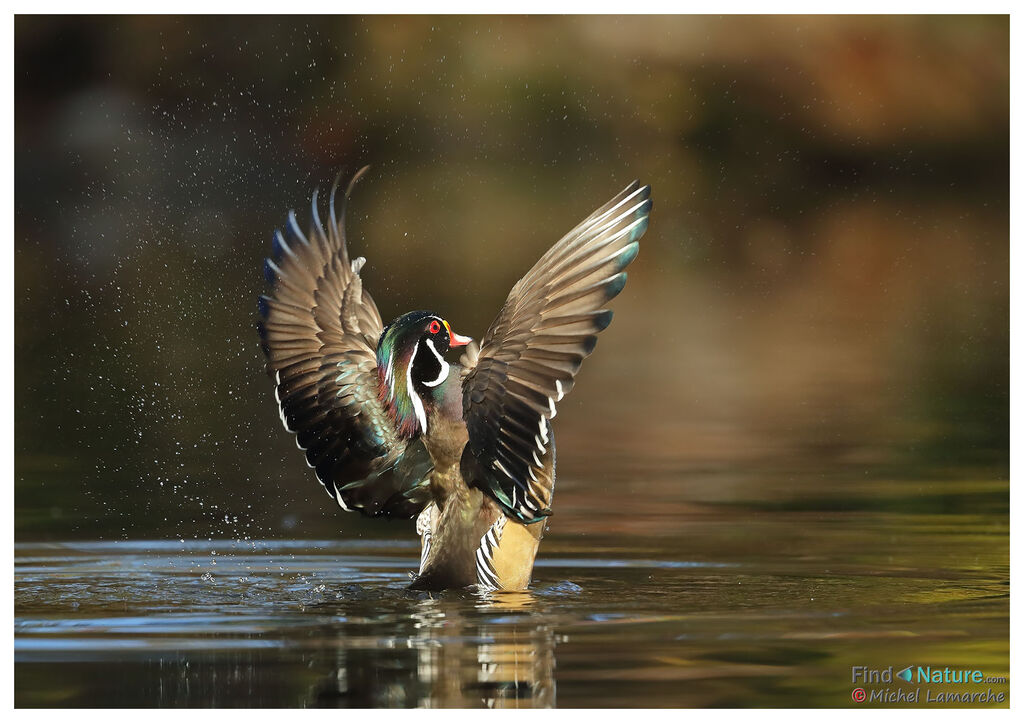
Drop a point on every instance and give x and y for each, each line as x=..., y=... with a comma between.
x=410, y=363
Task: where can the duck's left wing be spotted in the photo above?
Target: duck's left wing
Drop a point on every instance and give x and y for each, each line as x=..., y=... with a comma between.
x=319, y=331
x=529, y=356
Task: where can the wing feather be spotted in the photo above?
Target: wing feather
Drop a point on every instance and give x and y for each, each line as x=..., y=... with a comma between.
x=320, y=329
x=532, y=351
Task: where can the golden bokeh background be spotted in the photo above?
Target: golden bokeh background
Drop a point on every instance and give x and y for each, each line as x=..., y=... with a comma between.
x=822, y=293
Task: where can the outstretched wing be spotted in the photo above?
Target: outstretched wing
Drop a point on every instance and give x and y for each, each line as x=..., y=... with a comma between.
x=320, y=330
x=530, y=354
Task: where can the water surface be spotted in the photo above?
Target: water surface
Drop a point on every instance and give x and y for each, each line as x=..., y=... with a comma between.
x=750, y=606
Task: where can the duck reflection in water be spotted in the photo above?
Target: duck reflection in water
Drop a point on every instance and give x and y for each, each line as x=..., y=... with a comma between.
x=494, y=652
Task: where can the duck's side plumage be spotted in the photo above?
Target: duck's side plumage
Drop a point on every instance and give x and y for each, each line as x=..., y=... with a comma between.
x=392, y=428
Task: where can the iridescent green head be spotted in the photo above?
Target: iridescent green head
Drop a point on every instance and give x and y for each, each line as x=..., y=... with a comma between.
x=410, y=362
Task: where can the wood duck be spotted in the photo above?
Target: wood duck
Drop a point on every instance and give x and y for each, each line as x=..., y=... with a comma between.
x=393, y=428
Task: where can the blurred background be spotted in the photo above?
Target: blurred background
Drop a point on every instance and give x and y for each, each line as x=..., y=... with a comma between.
x=821, y=298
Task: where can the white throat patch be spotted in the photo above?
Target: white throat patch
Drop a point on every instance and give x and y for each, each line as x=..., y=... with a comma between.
x=444, y=366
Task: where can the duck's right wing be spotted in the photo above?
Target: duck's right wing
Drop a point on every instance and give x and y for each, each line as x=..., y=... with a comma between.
x=319, y=331
x=529, y=356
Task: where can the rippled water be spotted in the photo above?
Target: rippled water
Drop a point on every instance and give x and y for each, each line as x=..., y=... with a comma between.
x=769, y=607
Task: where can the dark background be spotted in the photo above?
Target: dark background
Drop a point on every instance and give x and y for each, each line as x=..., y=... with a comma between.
x=822, y=293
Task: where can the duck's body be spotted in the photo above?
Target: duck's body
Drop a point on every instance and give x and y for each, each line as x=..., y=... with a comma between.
x=394, y=429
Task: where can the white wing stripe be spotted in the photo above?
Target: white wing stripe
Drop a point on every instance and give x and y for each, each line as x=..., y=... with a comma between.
x=499, y=465
x=618, y=219
x=600, y=219
x=337, y=494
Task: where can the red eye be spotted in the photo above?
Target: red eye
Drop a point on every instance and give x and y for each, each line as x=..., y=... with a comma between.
x=434, y=327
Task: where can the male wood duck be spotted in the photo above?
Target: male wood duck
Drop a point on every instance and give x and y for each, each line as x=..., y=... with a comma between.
x=392, y=427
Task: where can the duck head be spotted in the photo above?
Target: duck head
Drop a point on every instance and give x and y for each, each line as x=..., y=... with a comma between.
x=410, y=363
